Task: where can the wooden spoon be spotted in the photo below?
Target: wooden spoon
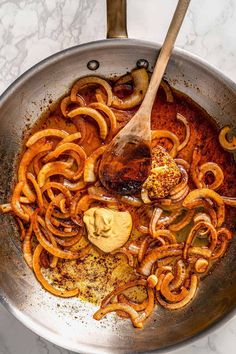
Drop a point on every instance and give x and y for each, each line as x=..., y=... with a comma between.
x=127, y=161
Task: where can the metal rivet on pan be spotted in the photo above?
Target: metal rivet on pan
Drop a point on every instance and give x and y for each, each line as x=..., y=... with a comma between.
x=93, y=65
x=142, y=63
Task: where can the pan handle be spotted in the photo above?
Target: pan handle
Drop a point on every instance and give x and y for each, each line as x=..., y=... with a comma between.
x=116, y=19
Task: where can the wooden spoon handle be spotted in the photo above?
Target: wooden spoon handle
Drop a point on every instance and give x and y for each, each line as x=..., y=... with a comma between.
x=164, y=55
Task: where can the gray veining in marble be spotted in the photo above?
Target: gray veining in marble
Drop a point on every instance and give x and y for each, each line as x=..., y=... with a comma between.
x=31, y=30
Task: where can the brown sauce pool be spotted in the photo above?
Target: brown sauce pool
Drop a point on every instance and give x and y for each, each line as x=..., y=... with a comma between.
x=97, y=274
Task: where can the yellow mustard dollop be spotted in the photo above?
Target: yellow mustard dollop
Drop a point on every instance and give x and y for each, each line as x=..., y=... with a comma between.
x=107, y=229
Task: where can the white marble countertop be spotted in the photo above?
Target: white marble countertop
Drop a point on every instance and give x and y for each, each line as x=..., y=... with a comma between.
x=31, y=30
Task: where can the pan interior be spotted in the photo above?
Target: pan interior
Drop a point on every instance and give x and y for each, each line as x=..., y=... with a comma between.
x=69, y=322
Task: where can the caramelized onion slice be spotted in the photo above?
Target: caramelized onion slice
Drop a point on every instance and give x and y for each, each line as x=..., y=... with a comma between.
x=90, y=112
x=131, y=200
x=70, y=138
x=183, y=182
x=166, y=88
x=143, y=248
x=66, y=101
x=128, y=255
x=118, y=290
x=166, y=292
x=149, y=308
x=154, y=220
x=185, y=301
x=215, y=170
x=194, y=168
x=26, y=247
x=180, y=275
x=32, y=179
x=207, y=193
x=44, y=282
x=229, y=201
x=54, y=168
x=193, y=233
x=152, y=280
x=121, y=307
x=224, y=235
x=79, y=151
x=36, y=149
x=201, y=265
x=46, y=133
x=109, y=113
x=90, y=163
x=227, y=145
x=157, y=134
x=91, y=80
x=183, y=222
x=187, y=131
x=144, y=196
x=140, y=79
x=166, y=234
x=15, y=202
x=5, y=208
x=136, y=306
x=158, y=253
x=55, y=250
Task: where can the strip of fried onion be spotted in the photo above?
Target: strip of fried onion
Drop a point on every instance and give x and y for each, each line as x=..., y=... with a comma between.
x=193, y=233
x=180, y=275
x=109, y=113
x=227, y=145
x=148, y=310
x=48, y=222
x=183, y=222
x=36, y=149
x=140, y=79
x=185, y=301
x=229, y=201
x=128, y=255
x=158, y=134
x=187, y=131
x=166, y=88
x=66, y=101
x=90, y=163
x=183, y=182
x=167, y=293
x=143, y=248
x=136, y=306
x=119, y=289
x=5, y=208
x=224, y=235
x=91, y=80
x=194, y=168
x=166, y=234
x=70, y=147
x=90, y=112
x=46, y=133
x=44, y=282
x=55, y=250
x=215, y=169
x=15, y=202
x=158, y=253
x=154, y=219
x=26, y=246
x=54, y=168
x=206, y=193
x=98, y=315
x=32, y=179
x=70, y=138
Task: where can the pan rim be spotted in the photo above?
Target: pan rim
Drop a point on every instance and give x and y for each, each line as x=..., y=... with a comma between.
x=113, y=42
x=27, y=321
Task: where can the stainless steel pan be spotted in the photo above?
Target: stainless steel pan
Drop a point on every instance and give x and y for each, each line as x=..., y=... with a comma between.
x=69, y=323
